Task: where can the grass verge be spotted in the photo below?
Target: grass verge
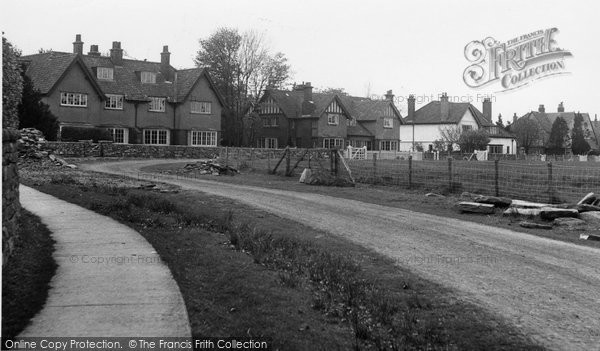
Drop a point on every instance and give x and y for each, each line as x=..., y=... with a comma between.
x=26, y=275
x=245, y=272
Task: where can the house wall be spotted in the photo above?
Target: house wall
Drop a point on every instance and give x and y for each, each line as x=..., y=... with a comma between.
x=505, y=142
x=280, y=132
x=325, y=130
x=75, y=81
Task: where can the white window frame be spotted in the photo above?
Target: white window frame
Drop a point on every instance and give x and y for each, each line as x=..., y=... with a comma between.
x=203, y=138
x=352, y=122
x=105, y=73
x=157, y=104
x=333, y=119
x=113, y=102
x=268, y=143
x=148, y=77
x=154, y=136
x=119, y=135
x=270, y=121
x=201, y=107
x=388, y=122
x=73, y=99
x=388, y=145
x=337, y=143
x=466, y=127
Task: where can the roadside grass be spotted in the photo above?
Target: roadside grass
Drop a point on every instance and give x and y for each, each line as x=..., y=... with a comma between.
x=399, y=197
x=245, y=272
x=26, y=275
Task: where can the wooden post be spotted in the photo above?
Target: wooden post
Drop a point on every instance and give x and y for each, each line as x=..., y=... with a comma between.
x=449, y=174
x=251, y=154
x=287, y=163
x=280, y=160
x=374, y=166
x=269, y=160
x=336, y=163
x=496, y=177
x=330, y=162
x=410, y=171
x=550, y=185
x=226, y=156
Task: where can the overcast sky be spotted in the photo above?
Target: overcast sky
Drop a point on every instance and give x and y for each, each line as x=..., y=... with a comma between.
x=411, y=47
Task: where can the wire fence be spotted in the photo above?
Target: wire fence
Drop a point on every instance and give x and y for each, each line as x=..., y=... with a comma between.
x=550, y=182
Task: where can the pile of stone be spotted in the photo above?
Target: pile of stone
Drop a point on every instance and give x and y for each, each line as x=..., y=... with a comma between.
x=323, y=177
x=209, y=167
x=32, y=144
x=33, y=147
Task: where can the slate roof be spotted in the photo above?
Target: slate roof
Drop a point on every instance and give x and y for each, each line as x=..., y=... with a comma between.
x=499, y=132
x=359, y=130
x=365, y=109
x=432, y=114
x=290, y=102
x=47, y=69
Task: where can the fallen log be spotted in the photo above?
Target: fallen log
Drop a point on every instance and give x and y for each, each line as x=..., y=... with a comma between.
x=475, y=207
x=588, y=199
x=533, y=225
x=592, y=218
x=551, y=213
x=589, y=237
x=527, y=204
x=587, y=208
x=525, y=212
x=569, y=223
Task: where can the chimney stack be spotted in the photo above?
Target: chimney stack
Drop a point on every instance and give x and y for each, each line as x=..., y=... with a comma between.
x=308, y=106
x=411, y=108
x=307, y=88
x=515, y=118
x=444, y=106
x=487, y=109
x=561, y=107
x=389, y=96
x=541, y=109
x=78, y=45
x=94, y=51
x=116, y=53
x=165, y=64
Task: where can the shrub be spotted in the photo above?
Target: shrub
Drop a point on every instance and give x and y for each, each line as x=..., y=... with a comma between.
x=70, y=133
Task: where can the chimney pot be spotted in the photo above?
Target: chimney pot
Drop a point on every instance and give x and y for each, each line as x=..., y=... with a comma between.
x=561, y=107
x=541, y=109
x=389, y=96
x=78, y=45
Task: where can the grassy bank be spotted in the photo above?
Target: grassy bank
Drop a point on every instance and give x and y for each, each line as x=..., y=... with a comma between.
x=26, y=275
x=246, y=272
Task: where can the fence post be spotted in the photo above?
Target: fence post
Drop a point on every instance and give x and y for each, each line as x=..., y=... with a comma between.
x=269, y=160
x=449, y=174
x=410, y=171
x=374, y=167
x=287, y=163
x=550, y=185
x=226, y=156
x=336, y=163
x=496, y=173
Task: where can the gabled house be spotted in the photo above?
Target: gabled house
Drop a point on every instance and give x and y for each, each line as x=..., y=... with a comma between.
x=425, y=125
x=544, y=121
x=301, y=118
x=374, y=124
x=138, y=101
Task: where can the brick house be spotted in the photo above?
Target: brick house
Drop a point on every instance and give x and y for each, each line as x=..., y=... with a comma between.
x=138, y=101
x=544, y=121
x=374, y=124
x=301, y=118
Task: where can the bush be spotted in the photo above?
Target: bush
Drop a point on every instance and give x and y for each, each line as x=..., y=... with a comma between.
x=84, y=133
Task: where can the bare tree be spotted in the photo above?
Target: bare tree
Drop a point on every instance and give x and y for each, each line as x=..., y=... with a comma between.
x=451, y=135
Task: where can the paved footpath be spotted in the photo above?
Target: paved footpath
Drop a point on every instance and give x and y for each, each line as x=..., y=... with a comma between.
x=109, y=282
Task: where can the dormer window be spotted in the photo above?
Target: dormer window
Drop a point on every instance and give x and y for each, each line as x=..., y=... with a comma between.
x=148, y=77
x=105, y=73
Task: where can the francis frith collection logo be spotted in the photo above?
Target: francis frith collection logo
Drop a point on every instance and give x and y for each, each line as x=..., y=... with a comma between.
x=515, y=63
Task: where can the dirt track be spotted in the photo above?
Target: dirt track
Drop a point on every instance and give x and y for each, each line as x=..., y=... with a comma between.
x=549, y=289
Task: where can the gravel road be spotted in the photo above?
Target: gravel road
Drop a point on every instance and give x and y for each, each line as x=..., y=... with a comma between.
x=549, y=289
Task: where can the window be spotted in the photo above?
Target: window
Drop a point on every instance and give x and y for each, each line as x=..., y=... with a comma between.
x=202, y=138
x=352, y=122
x=333, y=119
x=114, y=102
x=388, y=123
x=148, y=77
x=333, y=143
x=388, y=145
x=466, y=127
x=157, y=104
x=495, y=149
x=119, y=135
x=267, y=143
x=202, y=107
x=270, y=121
x=105, y=73
x=156, y=136
x=73, y=99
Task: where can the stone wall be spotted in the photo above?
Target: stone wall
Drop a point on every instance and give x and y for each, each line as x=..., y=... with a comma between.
x=11, y=207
